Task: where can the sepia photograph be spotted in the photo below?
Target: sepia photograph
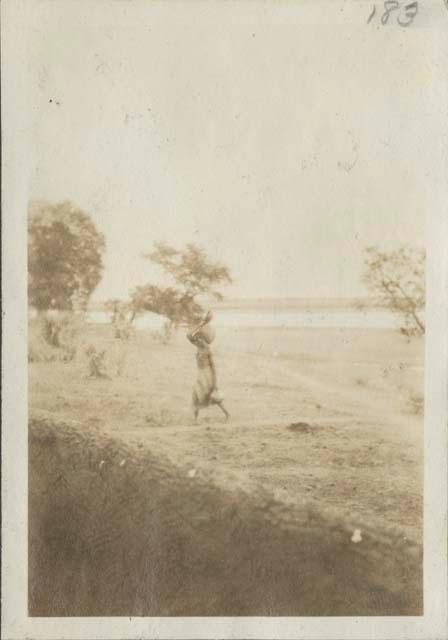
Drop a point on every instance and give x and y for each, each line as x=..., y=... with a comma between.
x=226, y=227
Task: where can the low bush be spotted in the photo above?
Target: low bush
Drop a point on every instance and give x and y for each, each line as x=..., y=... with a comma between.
x=56, y=337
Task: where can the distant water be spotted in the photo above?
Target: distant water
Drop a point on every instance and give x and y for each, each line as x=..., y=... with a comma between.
x=228, y=318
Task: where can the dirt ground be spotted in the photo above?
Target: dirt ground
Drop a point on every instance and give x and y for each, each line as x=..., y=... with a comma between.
x=324, y=421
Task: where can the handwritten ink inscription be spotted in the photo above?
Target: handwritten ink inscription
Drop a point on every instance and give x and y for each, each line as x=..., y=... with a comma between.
x=403, y=12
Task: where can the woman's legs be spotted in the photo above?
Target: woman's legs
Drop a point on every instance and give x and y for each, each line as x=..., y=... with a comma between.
x=196, y=406
x=223, y=409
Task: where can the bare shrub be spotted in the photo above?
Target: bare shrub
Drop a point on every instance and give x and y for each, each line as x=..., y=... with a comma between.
x=398, y=279
x=159, y=417
x=165, y=334
x=122, y=318
x=96, y=362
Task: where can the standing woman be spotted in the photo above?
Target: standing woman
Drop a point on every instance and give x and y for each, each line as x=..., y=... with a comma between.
x=205, y=391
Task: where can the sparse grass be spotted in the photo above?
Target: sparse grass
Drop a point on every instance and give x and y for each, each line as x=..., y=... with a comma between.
x=361, y=461
x=263, y=394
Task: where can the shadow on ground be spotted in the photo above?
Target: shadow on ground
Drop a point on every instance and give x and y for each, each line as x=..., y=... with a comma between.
x=116, y=531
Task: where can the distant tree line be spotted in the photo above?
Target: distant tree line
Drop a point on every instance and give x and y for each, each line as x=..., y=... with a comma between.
x=65, y=265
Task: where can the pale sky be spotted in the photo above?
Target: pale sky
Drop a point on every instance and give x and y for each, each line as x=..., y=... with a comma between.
x=278, y=140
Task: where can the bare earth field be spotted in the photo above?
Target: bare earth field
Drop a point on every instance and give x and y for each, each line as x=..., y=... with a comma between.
x=156, y=516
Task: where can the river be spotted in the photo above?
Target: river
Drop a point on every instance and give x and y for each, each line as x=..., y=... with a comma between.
x=229, y=318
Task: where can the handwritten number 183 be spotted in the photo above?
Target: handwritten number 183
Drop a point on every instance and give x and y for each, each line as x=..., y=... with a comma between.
x=405, y=16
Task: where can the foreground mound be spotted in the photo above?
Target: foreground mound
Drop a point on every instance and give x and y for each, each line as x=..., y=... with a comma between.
x=116, y=531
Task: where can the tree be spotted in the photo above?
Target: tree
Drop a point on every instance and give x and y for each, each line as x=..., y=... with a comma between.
x=398, y=278
x=193, y=273
x=65, y=256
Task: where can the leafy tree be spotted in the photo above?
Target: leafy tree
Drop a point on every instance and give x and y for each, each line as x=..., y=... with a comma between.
x=398, y=278
x=191, y=269
x=193, y=273
x=65, y=256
